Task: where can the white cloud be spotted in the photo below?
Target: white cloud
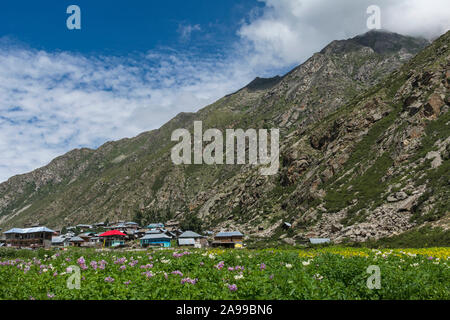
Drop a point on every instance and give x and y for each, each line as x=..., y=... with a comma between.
x=287, y=32
x=54, y=102
x=185, y=31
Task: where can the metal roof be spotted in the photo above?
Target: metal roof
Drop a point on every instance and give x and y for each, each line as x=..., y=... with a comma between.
x=155, y=236
x=76, y=239
x=29, y=230
x=86, y=234
x=229, y=234
x=189, y=234
x=186, y=241
x=58, y=239
x=155, y=225
x=153, y=232
x=318, y=240
x=133, y=223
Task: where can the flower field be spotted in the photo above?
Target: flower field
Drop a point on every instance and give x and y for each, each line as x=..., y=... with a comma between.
x=326, y=273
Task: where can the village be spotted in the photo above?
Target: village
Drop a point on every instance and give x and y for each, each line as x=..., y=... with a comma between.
x=125, y=234
x=119, y=234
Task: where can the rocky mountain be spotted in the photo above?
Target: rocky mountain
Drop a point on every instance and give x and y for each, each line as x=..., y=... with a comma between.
x=364, y=143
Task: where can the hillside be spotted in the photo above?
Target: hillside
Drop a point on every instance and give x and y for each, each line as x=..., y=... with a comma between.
x=364, y=144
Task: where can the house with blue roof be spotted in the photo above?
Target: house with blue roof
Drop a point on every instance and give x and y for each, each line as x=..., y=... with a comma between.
x=155, y=240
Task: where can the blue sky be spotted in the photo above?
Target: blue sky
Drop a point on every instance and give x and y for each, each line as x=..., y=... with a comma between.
x=136, y=64
x=120, y=27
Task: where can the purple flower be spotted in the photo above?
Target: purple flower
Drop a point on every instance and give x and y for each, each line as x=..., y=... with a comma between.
x=81, y=261
x=94, y=265
x=271, y=277
x=51, y=296
x=148, y=274
x=262, y=266
x=123, y=267
x=109, y=279
x=232, y=287
x=189, y=280
x=127, y=282
x=178, y=272
x=220, y=265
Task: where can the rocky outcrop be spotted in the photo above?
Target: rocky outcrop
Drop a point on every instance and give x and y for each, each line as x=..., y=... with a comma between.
x=364, y=151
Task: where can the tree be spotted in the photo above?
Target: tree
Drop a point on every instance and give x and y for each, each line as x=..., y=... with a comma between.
x=192, y=223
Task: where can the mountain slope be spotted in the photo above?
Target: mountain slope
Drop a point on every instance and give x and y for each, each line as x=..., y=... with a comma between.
x=326, y=117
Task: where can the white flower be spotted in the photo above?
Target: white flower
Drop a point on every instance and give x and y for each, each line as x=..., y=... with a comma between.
x=212, y=256
x=288, y=265
x=240, y=276
x=318, y=276
x=306, y=263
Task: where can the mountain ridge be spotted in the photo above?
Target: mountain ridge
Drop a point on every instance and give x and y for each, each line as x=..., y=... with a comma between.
x=129, y=175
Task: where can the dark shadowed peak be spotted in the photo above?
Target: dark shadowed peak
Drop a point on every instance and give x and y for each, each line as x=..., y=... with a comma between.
x=263, y=83
x=382, y=41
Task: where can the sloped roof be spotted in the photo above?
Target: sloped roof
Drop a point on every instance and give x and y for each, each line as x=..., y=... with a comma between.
x=155, y=225
x=76, y=239
x=59, y=239
x=29, y=230
x=318, y=240
x=155, y=237
x=229, y=234
x=186, y=241
x=153, y=232
x=189, y=234
x=112, y=233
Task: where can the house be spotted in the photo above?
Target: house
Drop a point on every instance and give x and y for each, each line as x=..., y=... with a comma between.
x=60, y=241
x=99, y=224
x=286, y=225
x=155, y=226
x=190, y=242
x=83, y=227
x=132, y=225
x=86, y=236
x=136, y=234
x=172, y=225
x=153, y=232
x=158, y=240
x=228, y=239
x=113, y=238
x=95, y=241
x=76, y=241
x=29, y=237
x=318, y=240
x=187, y=237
